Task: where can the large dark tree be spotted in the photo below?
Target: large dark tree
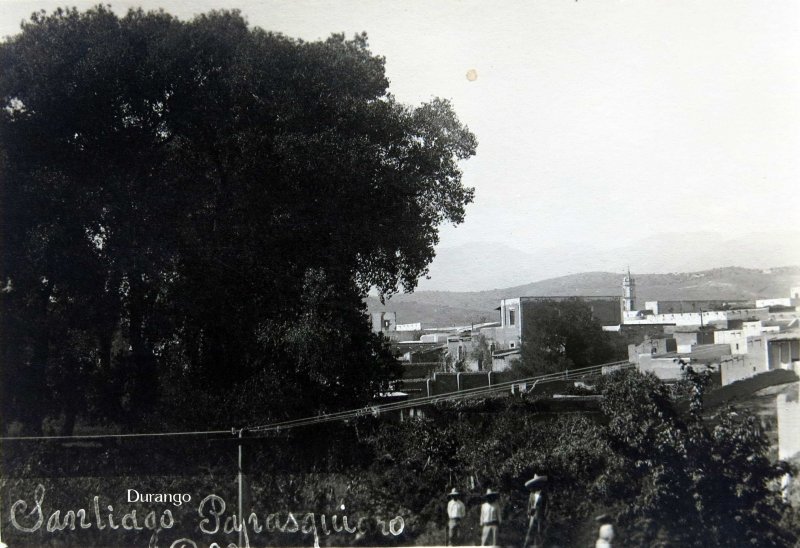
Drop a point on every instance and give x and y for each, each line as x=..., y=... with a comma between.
x=201, y=204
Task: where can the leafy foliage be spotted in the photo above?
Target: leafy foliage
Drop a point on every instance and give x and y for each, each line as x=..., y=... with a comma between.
x=688, y=480
x=482, y=353
x=176, y=195
x=559, y=335
x=669, y=476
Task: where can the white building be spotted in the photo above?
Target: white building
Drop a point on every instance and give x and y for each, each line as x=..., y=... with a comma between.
x=716, y=318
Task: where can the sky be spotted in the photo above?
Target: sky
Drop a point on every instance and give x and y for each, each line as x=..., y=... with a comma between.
x=598, y=121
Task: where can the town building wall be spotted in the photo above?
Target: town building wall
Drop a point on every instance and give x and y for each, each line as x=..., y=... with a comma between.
x=764, y=353
x=752, y=329
x=509, y=333
x=681, y=307
x=383, y=321
x=784, y=315
x=403, y=336
x=788, y=411
x=737, y=338
x=509, y=337
x=716, y=318
x=606, y=310
x=666, y=368
x=434, y=338
x=742, y=366
x=782, y=301
x=733, y=337
x=685, y=340
x=784, y=353
x=505, y=361
x=461, y=350
x=651, y=346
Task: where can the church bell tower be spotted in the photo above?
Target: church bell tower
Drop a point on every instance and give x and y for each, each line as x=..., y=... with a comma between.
x=628, y=293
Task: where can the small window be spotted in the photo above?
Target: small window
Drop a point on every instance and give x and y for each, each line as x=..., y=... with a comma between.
x=512, y=345
x=512, y=317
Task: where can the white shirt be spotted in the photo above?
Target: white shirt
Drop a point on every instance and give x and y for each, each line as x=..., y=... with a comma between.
x=605, y=537
x=455, y=509
x=490, y=511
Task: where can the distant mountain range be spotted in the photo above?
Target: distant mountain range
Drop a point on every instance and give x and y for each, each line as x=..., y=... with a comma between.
x=444, y=308
x=484, y=265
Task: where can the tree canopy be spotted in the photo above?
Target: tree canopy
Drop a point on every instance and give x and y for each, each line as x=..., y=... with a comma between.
x=559, y=335
x=204, y=204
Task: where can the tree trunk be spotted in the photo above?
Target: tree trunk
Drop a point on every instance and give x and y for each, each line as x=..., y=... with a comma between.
x=70, y=415
x=143, y=391
x=34, y=381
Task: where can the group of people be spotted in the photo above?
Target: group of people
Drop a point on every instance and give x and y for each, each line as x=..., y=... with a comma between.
x=491, y=517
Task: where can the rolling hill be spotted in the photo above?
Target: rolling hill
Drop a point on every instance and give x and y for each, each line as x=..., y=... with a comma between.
x=450, y=307
x=482, y=265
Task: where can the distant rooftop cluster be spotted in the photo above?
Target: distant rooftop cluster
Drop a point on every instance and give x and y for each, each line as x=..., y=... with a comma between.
x=738, y=342
x=740, y=338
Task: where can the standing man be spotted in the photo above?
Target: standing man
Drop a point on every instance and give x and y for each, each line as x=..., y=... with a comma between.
x=455, y=513
x=537, y=506
x=605, y=536
x=490, y=518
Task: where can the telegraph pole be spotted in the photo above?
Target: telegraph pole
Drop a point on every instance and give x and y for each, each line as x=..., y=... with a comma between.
x=243, y=485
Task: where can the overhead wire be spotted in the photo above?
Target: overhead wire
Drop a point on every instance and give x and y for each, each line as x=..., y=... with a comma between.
x=113, y=436
x=350, y=414
x=449, y=396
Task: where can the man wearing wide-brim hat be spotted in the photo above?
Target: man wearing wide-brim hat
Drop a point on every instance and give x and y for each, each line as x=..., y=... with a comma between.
x=537, y=506
x=455, y=513
x=606, y=533
x=490, y=518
